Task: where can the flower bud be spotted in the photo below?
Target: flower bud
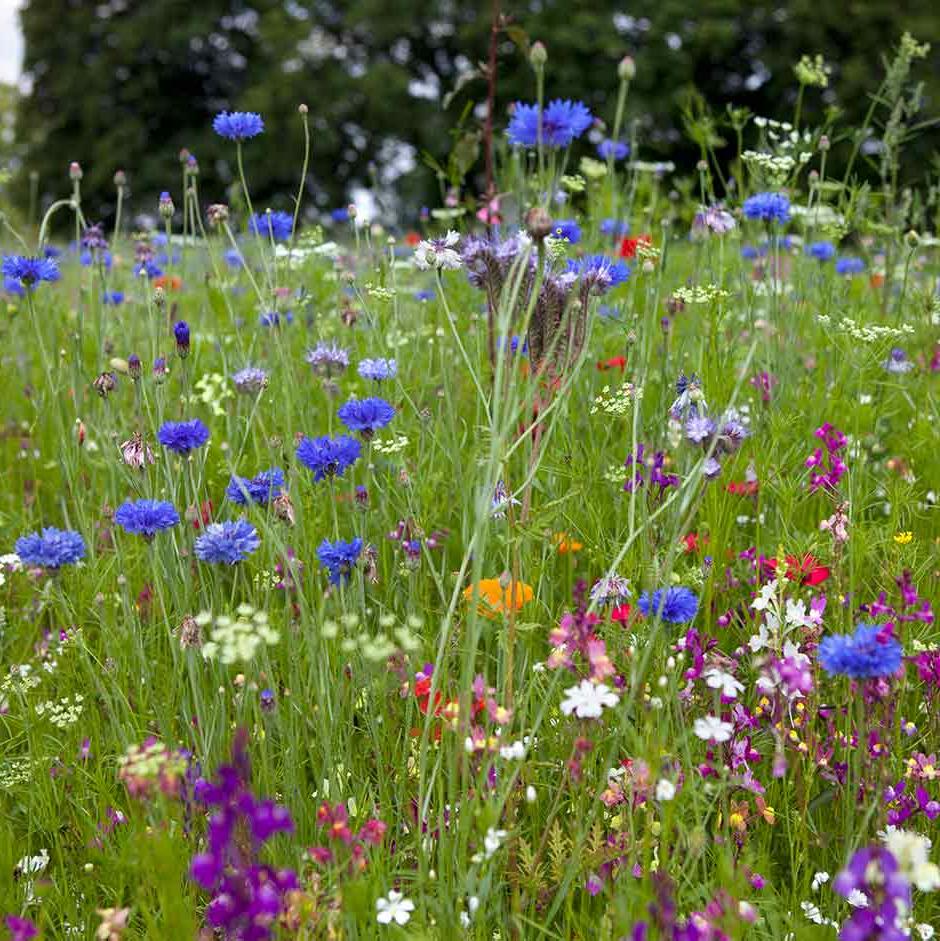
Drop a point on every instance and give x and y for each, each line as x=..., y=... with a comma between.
x=217, y=213
x=75, y=171
x=159, y=369
x=181, y=332
x=159, y=297
x=626, y=70
x=133, y=366
x=538, y=55
x=911, y=239
x=303, y=109
x=166, y=206
x=120, y=179
x=824, y=143
x=105, y=384
x=538, y=223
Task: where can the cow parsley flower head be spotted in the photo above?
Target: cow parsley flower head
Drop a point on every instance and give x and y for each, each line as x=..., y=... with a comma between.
x=183, y=436
x=339, y=558
x=366, y=415
x=29, y=271
x=146, y=517
x=262, y=488
x=438, y=253
x=768, y=207
x=238, y=125
x=562, y=122
x=328, y=457
x=51, y=549
x=675, y=605
x=868, y=652
x=272, y=225
x=378, y=369
x=229, y=542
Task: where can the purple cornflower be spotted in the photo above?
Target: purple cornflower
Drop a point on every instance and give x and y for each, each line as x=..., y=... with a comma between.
x=247, y=896
x=699, y=428
x=328, y=457
x=29, y=271
x=339, y=558
x=675, y=605
x=229, y=542
x=328, y=359
x=181, y=332
x=262, y=488
x=562, y=122
x=21, y=929
x=378, y=370
x=366, y=415
x=238, y=125
x=768, y=207
x=251, y=379
x=718, y=220
x=871, y=651
x=52, y=548
x=873, y=872
x=897, y=362
x=146, y=517
x=183, y=436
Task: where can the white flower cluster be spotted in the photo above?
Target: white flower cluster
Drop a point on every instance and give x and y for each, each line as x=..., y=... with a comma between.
x=700, y=294
x=63, y=712
x=212, y=389
x=393, y=445
x=238, y=639
x=871, y=333
x=617, y=402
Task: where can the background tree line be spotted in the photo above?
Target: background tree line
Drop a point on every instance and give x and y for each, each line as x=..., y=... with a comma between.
x=123, y=84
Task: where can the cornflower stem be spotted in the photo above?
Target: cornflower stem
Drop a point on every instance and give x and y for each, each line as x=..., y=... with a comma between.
x=300, y=188
x=540, y=147
x=116, y=233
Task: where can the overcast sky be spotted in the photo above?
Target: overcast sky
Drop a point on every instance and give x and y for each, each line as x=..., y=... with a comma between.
x=11, y=42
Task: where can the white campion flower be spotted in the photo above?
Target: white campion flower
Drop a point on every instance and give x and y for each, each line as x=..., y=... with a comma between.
x=820, y=879
x=729, y=685
x=665, y=790
x=765, y=596
x=796, y=614
x=438, y=253
x=513, y=752
x=394, y=908
x=587, y=700
x=493, y=841
x=926, y=932
x=911, y=851
x=712, y=729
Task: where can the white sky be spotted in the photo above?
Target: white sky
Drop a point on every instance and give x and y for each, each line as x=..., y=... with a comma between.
x=11, y=42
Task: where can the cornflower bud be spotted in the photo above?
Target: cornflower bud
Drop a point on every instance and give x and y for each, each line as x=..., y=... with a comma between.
x=626, y=70
x=538, y=55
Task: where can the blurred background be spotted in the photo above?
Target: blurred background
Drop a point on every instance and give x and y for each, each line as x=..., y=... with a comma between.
x=395, y=88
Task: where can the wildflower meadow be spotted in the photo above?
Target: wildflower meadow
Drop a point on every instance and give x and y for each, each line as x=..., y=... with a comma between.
x=557, y=563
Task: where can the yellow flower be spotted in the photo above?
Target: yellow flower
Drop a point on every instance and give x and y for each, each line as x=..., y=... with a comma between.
x=902, y=539
x=493, y=598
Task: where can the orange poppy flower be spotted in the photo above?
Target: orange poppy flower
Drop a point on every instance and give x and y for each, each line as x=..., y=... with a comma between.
x=566, y=544
x=492, y=599
x=172, y=282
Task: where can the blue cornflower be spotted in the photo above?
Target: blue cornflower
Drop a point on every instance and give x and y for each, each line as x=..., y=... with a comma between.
x=424, y=295
x=562, y=122
x=29, y=271
x=750, y=253
x=617, y=149
x=869, y=652
x=273, y=318
x=150, y=269
x=233, y=258
x=673, y=605
x=146, y=517
x=87, y=258
x=238, y=125
x=598, y=272
x=366, y=415
x=227, y=542
x=328, y=457
x=261, y=488
x=52, y=548
x=769, y=207
x=821, y=251
x=339, y=557
x=183, y=436
x=849, y=265
x=276, y=225
x=112, y=298
x=12, y=286
x=567, y=229
x=616, y=228
x=340, y=215
x=378, y=369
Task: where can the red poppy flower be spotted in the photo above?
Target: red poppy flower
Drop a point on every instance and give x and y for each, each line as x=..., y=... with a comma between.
x=412, y=239
x=629, y=246
x=746, y=488
x=617, y=362
x=691, y=542
x=807, y=570
x=621, y=613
